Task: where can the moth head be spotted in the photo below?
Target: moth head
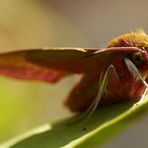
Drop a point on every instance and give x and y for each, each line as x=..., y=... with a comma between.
x=134, y=39
x=139, y=58
x=137, y=39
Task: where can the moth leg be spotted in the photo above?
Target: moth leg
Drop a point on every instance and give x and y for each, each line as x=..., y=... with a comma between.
x=103, y=80
x=100, y=83
x=102, y=89
x=133, y=69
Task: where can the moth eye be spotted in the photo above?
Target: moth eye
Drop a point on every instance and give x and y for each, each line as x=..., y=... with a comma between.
x=137, y=58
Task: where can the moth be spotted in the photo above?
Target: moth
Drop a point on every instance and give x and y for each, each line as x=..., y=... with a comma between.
x=115, y=73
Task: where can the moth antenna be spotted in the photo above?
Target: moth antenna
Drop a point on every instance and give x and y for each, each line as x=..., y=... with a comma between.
x=133, y=69
x=102, y=88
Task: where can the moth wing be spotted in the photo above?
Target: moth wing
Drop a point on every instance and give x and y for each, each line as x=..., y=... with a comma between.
x=75, y=60
x=52, y=64
x=106, y=55
x=49, y=64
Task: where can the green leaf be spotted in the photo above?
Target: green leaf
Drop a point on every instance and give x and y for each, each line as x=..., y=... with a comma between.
x=105, y=123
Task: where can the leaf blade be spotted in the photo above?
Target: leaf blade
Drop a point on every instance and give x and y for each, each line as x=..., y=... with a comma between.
x=98, y=129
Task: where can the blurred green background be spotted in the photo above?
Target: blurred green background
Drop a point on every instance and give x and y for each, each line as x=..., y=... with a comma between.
x=54, y=23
